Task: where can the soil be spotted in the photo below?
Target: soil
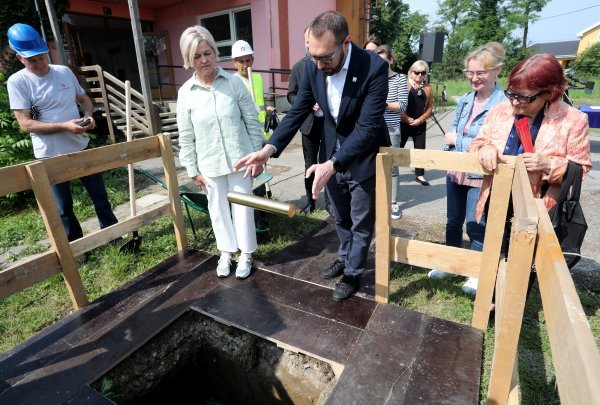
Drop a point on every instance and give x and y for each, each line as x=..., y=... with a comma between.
x=200, y=358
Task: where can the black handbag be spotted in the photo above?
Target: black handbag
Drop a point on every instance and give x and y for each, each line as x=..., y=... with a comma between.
x=567, y=216
x=271, y=121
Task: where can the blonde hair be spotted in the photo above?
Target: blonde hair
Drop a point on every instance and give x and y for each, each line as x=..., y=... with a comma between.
x=491, y=55
x=421, y=66
x=189, y=41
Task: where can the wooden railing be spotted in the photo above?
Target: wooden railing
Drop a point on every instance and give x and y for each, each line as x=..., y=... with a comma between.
x=109, y=91
x=40, y=175
x=532, y=242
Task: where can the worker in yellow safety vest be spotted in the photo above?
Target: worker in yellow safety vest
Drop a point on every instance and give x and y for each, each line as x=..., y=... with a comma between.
x=243, y=58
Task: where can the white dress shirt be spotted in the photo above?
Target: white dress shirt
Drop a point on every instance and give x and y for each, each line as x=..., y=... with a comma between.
x=335, y=87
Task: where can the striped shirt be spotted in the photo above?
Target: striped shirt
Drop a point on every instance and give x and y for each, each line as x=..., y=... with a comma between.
x=398, y=93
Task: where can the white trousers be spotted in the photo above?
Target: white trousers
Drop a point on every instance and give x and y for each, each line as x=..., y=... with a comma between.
x=233, y=224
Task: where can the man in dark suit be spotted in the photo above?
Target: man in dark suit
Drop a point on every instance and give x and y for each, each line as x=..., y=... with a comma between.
x=311, y=130
x=351, y=86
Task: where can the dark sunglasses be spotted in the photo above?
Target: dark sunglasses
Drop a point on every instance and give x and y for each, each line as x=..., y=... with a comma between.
x=522, y=98
x=419, y=73
x=326, y=60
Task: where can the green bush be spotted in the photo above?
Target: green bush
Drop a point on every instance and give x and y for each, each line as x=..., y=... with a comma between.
x=15, y=145
x=587, y=64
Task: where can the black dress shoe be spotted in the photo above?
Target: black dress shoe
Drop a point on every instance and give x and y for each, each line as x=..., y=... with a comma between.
x=308, y=208
x=335, y=270
x=346, y=287
x=422, y=182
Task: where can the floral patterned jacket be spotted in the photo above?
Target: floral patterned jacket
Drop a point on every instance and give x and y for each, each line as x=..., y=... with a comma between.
x=563, y=136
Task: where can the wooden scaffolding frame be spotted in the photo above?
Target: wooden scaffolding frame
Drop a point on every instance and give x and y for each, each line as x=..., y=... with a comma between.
x=40, y=175
x=533, y=244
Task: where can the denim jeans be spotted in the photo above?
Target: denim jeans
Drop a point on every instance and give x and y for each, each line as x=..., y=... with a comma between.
x=461, y=202
x=94, y=184
x=395, y=140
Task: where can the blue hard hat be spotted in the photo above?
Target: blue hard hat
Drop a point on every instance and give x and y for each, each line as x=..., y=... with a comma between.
x=26, y=41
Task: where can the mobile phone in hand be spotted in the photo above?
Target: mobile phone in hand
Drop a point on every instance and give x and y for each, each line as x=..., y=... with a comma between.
x=85, y=122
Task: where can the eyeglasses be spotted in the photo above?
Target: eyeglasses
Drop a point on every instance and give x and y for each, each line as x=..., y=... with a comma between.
x=326, y=60
x=521, y=98
x=419, y=73
x=480, y=73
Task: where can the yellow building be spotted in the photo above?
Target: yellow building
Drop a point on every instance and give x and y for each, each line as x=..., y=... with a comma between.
x=588, y=37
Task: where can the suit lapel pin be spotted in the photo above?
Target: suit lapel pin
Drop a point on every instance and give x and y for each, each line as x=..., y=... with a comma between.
x=353, y=79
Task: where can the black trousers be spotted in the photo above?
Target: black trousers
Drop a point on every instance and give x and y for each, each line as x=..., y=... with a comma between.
x=310, y=149
x=418, y=135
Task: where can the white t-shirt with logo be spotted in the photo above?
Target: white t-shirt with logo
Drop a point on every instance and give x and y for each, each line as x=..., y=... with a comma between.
x=54, y=96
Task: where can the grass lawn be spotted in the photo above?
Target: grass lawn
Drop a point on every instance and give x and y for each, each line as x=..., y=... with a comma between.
x=456, y=88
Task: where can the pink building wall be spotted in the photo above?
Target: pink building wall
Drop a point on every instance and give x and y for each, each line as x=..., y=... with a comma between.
x=265, y=30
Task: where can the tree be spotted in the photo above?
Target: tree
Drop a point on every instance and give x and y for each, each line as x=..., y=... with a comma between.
x=522, y=13
x=396, y=26
x=456, y=21
x=487, y=21
x=587, y=64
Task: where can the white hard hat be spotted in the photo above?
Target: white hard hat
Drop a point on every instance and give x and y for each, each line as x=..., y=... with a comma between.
x=241, y=48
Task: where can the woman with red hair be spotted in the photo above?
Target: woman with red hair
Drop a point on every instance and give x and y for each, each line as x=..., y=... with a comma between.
x=559, y=133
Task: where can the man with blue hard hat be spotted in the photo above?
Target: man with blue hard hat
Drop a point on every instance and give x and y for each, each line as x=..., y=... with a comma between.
x=44, y=99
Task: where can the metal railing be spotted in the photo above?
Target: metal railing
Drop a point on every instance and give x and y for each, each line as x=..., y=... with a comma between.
x=274, y=90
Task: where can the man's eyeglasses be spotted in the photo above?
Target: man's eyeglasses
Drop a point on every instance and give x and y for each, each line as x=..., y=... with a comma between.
x=326, y=60
x=479, y=74
x=523, y=98
x=423, y=73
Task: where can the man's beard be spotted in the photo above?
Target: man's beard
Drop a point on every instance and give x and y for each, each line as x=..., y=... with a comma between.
x=339, y=66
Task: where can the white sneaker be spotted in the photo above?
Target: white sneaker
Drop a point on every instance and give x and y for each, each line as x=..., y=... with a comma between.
x=244, y=268
x=395, y=212
x=439, y=275
x=470, y=286
x=224, y=267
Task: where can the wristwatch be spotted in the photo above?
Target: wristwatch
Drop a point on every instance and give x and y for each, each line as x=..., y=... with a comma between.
x=336, y=164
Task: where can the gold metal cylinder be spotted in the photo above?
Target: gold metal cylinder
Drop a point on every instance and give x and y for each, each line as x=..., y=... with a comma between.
x=263, y=204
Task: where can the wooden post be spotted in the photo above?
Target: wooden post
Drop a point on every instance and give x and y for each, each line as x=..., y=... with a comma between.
x=383, y=191
x=494, y=230
x=520, y=259
x=56, y=32
x=40, y=184
x=140, y=53
x=575, y=353
x=173, y=189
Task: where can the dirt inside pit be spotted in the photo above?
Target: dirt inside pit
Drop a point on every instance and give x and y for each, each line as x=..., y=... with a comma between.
x=199, y=360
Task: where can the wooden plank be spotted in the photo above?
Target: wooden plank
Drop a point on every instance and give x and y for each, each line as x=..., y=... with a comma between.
x=438, y=160
x=106, y=105
x=574, y=352
x=138, y=41
x=27, y=273
x=383, y=195
x=58, y=238
x=500, y=290
x=74, y=165
x=173, y=190
x=494, y=230
x=520, y=258
x=522, y=196
x=14, y=179
x=464, y=262
x=103, y=236
x=513, y=395
x=121, y=84
x=119, y=107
